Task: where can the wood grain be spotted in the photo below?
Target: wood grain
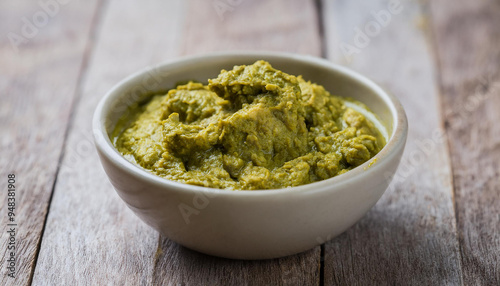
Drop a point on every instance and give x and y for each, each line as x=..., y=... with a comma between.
x=276, y=25
x=409, y=237
x=177, y=265
x=38, y=78
x=91, y=237
x=467, y=37
x=422, y=232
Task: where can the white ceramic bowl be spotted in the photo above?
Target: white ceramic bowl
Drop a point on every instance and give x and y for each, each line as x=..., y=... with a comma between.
x=250, y=224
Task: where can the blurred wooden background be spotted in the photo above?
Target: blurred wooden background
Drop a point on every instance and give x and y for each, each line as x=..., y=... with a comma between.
x=438, y=223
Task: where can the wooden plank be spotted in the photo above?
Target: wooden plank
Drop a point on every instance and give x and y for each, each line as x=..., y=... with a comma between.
x=409, y=237
x=278, y=25
x=42, y=50
x=177, y=265
x=467, y=37
x=271, y=25
x=91, y=237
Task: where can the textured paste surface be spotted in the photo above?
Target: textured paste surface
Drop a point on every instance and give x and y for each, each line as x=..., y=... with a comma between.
x=253, y=127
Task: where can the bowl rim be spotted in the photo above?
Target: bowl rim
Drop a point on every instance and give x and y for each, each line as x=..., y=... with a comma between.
x=395, y=142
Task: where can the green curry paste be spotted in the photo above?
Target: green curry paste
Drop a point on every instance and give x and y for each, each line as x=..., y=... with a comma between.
x=253, y=127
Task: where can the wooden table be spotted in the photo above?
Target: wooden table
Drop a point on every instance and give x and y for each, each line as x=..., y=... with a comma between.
x=438, y=223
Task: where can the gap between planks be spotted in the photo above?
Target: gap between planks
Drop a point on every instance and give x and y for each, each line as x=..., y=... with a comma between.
x=96, y=21
x=434, y=50
x=410, y=234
